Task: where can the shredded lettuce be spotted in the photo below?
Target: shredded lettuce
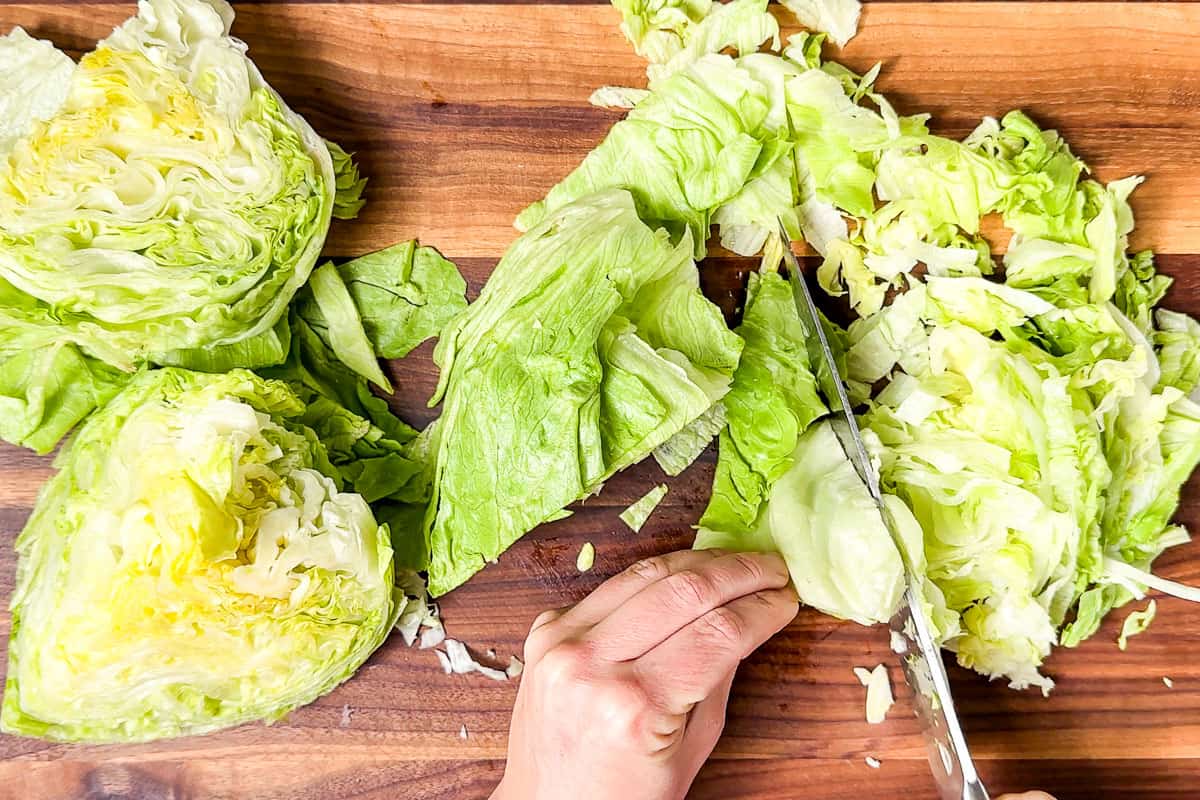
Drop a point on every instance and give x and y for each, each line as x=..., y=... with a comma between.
x=1136, y=622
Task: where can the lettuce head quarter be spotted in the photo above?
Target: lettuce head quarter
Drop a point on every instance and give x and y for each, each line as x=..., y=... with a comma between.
x=192, y=566
x=156, y=199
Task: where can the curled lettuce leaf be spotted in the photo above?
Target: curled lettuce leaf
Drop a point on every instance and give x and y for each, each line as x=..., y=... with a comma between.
x=823, y=522
x=838, y=18
x=671, y=34
x=194, y=564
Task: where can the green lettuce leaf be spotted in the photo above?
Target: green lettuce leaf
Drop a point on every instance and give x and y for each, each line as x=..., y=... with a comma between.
x=682, y=152
x=348, y=183
x=590, y=346
x=772, y=401
x=193, y=565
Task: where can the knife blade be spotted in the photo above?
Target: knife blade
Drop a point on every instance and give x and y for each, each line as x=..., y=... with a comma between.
x=921, y=659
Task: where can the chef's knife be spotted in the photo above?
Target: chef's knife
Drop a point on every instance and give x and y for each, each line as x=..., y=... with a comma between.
x=949, y=758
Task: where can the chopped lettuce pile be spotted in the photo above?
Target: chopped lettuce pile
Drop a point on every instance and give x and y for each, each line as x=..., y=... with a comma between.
x=1033, y=417
x=194, y=564
x=157, y=200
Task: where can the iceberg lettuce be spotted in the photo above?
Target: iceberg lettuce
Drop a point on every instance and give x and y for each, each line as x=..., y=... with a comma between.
x=194, y=564
x=158, y=202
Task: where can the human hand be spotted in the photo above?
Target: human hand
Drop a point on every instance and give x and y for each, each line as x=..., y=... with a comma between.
x=1026, y=796
x=623, y=695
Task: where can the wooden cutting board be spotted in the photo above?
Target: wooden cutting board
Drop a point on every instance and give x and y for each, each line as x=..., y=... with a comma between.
x=461, y=115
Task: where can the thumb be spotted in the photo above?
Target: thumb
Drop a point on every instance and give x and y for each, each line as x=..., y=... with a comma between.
x=1026, y=796
x=705, y=723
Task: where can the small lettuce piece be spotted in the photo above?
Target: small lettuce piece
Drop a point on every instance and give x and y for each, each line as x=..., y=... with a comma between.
x=623, y=97
x=586, y=558
x=740, y=25
x=838, y=18
x=1153, y=446
x=772, y=401
x=341, y=325
x=879, y=692
x=194, y=565
x=1177, y=344
x=35, y=78
x=1137, y=622
x=348, y=183
x=681, y=450
x=657, y=28
x=44, y=393
x=671, y=34
x=590, y=346
x=1140, y=287
x=636, y=515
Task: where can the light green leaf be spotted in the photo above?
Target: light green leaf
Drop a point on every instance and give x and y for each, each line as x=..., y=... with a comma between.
x=1137, y=622
x=838, y=18
x=590, y=346
x=341, y=326
x=636, y=515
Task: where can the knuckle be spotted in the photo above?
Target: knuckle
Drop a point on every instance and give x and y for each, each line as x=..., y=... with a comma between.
x=625, y=706
x=564, y=664
x=751, y=566
x=650, y=569
x=536, y=643
x=691, y=589
x=544, y=619
x=723, y=627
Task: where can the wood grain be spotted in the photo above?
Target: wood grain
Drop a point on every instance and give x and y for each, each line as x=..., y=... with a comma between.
x=461, y=114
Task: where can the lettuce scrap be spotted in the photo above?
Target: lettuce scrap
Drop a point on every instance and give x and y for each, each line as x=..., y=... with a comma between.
x=636, y=515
